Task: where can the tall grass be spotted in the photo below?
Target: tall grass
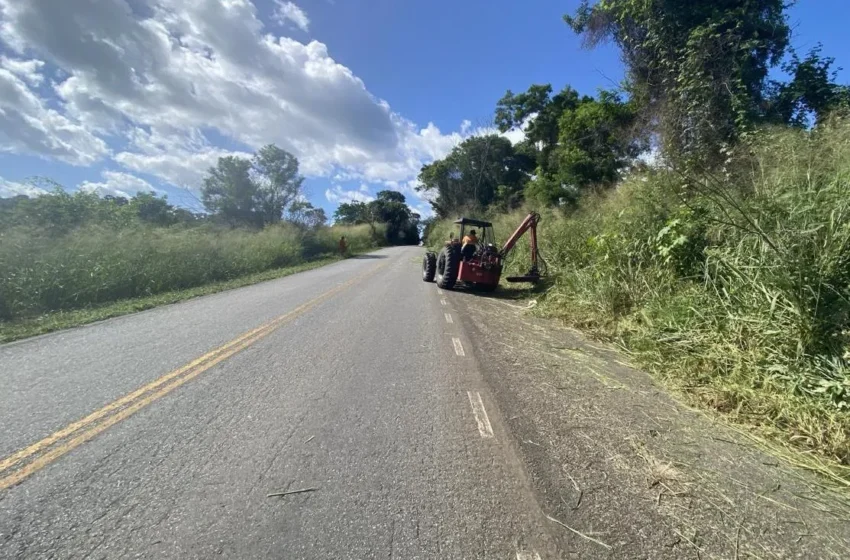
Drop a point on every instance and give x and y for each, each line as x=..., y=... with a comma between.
x=732, y=287
x=94, y=265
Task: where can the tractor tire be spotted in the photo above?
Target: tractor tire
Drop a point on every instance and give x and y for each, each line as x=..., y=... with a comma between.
x=429, y=266
x=448, y=264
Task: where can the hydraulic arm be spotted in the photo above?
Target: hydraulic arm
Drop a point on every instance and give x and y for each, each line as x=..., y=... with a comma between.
x=529, y=224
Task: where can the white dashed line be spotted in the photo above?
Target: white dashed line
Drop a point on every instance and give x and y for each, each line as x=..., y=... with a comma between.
x=442, y=302
x=439, y=291
x=480, y=414
x=449, y=318
x=522, y=555
x=458, y=347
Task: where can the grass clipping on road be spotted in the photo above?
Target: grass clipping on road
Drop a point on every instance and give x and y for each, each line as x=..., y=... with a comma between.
x=733, y=290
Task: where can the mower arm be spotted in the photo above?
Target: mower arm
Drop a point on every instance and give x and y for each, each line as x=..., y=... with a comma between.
x=528, y=224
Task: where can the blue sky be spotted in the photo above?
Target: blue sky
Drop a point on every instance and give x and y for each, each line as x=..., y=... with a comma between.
x=139, y=94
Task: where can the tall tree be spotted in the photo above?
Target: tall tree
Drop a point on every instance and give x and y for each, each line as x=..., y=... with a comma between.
x=477, y=173
x=228, y=191
x=698, y=67
x=275, y=173
x=253, y=192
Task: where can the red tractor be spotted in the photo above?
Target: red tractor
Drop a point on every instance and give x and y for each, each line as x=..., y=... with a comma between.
x=473, y=258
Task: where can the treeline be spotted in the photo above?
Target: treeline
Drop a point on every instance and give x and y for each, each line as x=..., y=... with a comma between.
x=64, y=251
x=700, y=216
x=696, y=86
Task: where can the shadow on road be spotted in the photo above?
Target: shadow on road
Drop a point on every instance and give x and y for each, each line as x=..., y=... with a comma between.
x=369, y=257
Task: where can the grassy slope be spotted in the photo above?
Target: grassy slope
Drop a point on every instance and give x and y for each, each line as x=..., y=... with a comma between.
x=748, y=320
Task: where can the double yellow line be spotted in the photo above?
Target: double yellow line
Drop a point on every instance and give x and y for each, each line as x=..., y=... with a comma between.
x=23, y=463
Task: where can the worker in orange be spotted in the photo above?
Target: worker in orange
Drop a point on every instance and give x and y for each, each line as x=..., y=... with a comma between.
x=343, y=246
x=469, y=245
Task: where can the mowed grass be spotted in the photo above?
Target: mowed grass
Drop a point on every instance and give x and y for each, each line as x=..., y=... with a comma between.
x=733, y=289
x=94, y=273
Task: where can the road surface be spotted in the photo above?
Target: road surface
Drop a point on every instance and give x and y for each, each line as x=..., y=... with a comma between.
x=162, y=434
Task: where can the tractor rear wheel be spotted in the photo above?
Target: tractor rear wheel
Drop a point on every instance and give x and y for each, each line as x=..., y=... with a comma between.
x=448, y=263
x=429, y=266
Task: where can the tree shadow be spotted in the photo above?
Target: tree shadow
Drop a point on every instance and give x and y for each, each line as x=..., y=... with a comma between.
x=368, y=257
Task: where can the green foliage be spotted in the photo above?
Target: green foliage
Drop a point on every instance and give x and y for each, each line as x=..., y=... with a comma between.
x=481, y=171
x=94, y=265
x=61, y=211
x=253, y=192
x=304, y=214
x=732, y=287
x=810, y=96
x=400, y=225
x=698, y=67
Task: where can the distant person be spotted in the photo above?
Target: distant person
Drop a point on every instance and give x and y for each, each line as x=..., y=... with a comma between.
x=343, y=246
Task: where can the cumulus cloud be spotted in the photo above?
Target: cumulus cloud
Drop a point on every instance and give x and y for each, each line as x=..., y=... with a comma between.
x=337, y=194
x=117, y=183
x=29, y=126
x=9, y=189
x=287, y=11
x=141, y=75
x=28, y=70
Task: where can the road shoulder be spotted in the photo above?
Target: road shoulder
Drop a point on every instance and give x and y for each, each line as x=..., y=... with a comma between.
x=629, y=471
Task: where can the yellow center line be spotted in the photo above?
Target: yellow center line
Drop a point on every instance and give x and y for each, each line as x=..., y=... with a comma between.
x=194, y=368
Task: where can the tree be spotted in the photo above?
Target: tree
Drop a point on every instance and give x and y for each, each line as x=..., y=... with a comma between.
x=388, y=208
x=253, y=192
x=811, y=94
x=352, y=213
x=697, y=67
x=304, y=214
x=539, y=113
x=228, y=191
x=480, y=171
x=278, y=184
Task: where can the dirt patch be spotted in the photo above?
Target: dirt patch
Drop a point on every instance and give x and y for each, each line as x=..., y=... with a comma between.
x=626, y=471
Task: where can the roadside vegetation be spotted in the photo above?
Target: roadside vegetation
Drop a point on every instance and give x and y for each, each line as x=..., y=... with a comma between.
x=69, y=258
x=705, y=229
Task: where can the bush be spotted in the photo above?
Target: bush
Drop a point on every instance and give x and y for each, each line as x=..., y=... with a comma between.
x=733, y=287
x=96, y=264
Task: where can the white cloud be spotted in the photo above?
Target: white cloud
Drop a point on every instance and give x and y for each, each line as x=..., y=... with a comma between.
x=179, y=158
x=117, y=183
x=28, y=70
x=337, y=194
x=28, y=126
x=168, y=75
x=9, y=189
x=287, y=11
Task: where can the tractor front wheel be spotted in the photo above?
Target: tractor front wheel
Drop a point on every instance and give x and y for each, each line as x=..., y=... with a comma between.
x=448, y=263
x=429, y=266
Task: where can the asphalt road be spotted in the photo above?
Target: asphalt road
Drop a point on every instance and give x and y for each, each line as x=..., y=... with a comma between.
x=161, y=434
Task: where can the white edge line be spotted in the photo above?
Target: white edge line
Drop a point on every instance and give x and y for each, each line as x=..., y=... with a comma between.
x=484, y=427
x=458, y=347
x=449, y=318
x=522, y=555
